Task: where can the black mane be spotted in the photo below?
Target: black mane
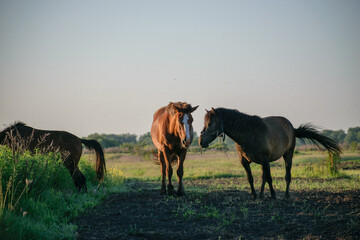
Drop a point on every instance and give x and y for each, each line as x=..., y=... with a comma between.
x=234, y=117
x=13, y=126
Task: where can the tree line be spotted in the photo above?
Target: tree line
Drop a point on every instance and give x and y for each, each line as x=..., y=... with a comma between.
x=135, y=144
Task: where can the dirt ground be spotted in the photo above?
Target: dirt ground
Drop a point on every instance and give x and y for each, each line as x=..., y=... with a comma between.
x=213, y=209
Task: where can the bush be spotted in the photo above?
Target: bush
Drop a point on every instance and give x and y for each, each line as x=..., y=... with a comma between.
x=38, y=197
x=29, y=174
x=333, y=162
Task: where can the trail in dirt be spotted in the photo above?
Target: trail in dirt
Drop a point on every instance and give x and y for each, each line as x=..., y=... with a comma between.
x=209, y=212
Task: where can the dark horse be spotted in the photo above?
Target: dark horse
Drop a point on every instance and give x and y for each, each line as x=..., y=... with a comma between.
x=172, y=134
x=66, y=143
x=261, y=140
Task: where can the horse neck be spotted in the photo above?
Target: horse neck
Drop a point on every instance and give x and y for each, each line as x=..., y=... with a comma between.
x=235, y=124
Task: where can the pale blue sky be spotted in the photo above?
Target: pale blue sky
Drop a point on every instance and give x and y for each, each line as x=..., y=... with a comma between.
x=106, y=66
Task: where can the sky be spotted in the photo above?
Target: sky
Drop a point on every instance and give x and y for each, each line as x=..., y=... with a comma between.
x=91, y=66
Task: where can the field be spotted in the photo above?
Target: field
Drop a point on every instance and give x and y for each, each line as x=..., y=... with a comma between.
x=218, y=204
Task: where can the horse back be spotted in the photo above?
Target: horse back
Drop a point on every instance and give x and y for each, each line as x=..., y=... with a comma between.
x=53, y=140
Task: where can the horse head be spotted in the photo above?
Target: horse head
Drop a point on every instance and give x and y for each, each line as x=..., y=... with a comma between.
x=213, y=127
x=183, y=124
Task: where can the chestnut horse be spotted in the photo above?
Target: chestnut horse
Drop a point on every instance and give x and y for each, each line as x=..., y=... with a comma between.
x=261, y=140
x=172, y=134
x=66, y=143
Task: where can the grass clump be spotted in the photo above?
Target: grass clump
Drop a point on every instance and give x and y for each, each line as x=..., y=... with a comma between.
x=38, y=198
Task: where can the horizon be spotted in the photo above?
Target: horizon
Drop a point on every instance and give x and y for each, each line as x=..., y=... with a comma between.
x=105, y=67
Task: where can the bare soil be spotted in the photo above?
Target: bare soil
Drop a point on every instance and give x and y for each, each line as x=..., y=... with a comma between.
x=216, y=209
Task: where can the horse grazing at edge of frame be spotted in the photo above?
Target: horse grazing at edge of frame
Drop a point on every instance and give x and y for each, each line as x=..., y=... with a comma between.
x=66, y=143
x=172, y=134
x=261, y=140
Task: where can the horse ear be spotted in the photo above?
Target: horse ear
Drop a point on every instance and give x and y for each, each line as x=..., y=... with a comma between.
x=176, y=108
x=212, y=110
x=194, y=108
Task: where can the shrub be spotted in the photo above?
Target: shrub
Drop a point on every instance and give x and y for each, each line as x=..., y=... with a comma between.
x=38, y=197
x=333, y=162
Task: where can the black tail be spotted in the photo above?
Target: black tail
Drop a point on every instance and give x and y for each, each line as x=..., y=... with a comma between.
x=100, y=159
x=309, y=132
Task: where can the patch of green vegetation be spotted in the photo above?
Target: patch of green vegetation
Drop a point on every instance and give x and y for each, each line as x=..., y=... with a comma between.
x=38, y=198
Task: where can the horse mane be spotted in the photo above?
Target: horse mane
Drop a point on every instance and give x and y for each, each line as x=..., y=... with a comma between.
x=184, y=107
x=235, y=117
x=14, y=125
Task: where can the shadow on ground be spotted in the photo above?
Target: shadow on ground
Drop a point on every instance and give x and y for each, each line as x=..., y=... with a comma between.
x=209, y=211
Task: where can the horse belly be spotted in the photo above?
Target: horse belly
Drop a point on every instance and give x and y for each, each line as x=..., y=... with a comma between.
x=281, y=137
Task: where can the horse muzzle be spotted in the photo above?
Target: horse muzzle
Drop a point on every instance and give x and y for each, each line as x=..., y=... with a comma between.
x=202, y=144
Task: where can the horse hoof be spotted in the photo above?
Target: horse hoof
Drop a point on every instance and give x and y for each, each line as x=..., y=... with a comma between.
x=171, y=192
x=180, y=193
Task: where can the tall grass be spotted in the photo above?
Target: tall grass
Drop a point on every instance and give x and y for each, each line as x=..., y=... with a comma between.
x=38, y=198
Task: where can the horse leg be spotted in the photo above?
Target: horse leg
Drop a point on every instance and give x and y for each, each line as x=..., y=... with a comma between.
x=78, y=178
x=81, y=180
x=169, y=171
x=288, y=163
x=246, y=164
x=180, y=173
x=163, y=172
x=268, y=178
x=262, y=183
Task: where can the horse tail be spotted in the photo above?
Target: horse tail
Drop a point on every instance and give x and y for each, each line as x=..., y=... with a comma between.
x=309, y=132
x=100, y=159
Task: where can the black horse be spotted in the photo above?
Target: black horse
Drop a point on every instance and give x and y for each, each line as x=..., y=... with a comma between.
x=261, y=140
x=69, y=145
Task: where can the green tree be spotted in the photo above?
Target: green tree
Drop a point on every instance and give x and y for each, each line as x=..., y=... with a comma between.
x=113, y=140
x=145, y=139
x=338, y=135
x=352, y=135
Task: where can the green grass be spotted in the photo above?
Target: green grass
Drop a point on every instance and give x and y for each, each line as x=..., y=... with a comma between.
x=38, y=199
x=46, y=212
x=218, y=164
x=306, y=165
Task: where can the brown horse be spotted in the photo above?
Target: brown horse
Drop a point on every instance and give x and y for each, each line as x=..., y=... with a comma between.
x=172, y=134
x=66, y=143
x=261, y=140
